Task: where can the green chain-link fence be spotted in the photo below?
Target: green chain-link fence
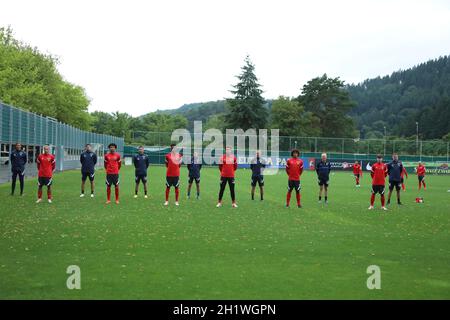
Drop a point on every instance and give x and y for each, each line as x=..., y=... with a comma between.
x=338, y=148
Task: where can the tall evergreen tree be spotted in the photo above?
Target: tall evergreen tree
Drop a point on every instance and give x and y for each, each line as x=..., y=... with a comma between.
x=246, y=109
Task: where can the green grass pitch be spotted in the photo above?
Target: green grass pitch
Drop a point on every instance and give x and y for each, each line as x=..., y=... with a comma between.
x=261, y=250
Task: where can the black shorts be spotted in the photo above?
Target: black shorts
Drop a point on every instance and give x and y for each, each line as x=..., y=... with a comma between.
x=402, y=180
x=224, y=180
x=378, y=189
x=85, y=175
x=395, y=184
x=140, y=177
x=172, y=182
x=257, y=179
x=294, y=184
x=191, y=179
x=357, y=175
x=44, y=181
x=323, y=182
x=421, y=178
x=112, y=180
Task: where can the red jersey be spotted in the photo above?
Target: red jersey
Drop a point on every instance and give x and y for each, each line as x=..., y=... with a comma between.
x=379, y=173
x=420, y=170
x=173, y=164
x=404, y=173
x=357, y=169
x=46, y=164
x=227, y=166
x=294, y=168
x=112, y=163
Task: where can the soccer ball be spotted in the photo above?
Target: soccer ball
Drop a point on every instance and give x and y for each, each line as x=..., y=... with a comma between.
x=419, y=200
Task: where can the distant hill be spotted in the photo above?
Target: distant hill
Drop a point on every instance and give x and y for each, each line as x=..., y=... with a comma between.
x=198, y=111
x=399, y=100
x=202, y=111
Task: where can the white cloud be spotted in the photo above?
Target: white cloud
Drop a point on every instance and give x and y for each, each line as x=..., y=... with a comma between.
x=137, y=56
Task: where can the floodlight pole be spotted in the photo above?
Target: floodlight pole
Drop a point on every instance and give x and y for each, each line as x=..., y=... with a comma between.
x=448, y=149
x=417, y=137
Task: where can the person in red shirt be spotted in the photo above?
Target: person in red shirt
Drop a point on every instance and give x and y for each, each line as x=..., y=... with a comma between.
x=294, y=169
x=357, y=172
x=227, y=166
x=378, y=172
x=113, y=162
x=173, y=164
x=402, y=176
x=46, y=164
x=421, y=175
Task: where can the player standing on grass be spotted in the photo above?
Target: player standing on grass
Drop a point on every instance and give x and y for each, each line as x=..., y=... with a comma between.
x=395, y=169
x=404, y=173
x=378, y=173
x=323, y=168
x=421, y=175
x=257, y=165
x=173, y=164
x=194, y=168
x=18, y=160
x=141, y=162
x=357, y=172
x=227, y=166
x=294, y=169
x=88, y=161
x=113, y=162
x=46, y=164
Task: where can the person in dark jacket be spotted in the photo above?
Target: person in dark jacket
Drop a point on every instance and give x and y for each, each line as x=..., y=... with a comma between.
x=323, y=168
x=141, y=163
x=395, y=169
x=88, y=161
x=257, y=165
x=18, y=160
x=194, y=168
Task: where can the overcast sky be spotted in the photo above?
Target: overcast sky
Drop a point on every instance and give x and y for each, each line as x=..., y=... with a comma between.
x=139, y=56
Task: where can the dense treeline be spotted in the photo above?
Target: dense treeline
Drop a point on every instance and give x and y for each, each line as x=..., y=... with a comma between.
x=136, y=130
x=29, y=80
x=420, y=94
x=395, y=102
x=321, y=109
